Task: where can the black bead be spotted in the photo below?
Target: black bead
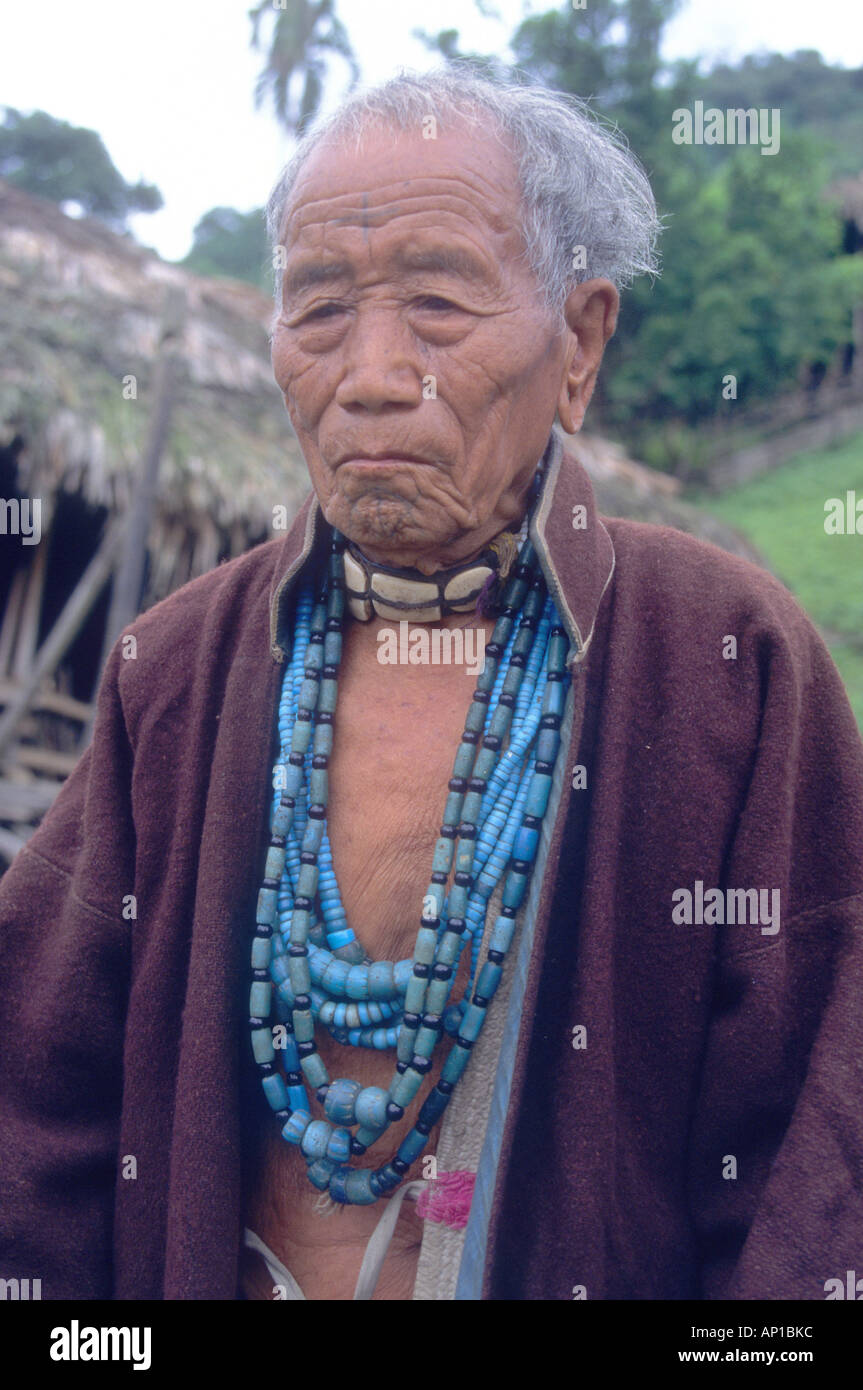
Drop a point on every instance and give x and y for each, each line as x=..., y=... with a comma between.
x=261, y=975
x=263, y=929
x=480, y=1001
x=295, y=950
x=421, y=971
x=470, y=736
x=411, y=1020
x=257, y=1023
x=283, y=1116
x=400, y=1166
x=481, y=697
x=506, y=699
x=325, y=716
x=333, y=625
x=445, y=1087
x=422, y=1127
x=278, y=841
x=496, y=957
x=557, y=631
x=308, y=856
x=433, y=922
x=456, y=925
x=520, y=866
x=265, y=1068
x=305, y=1049
x=554, y=675
x=294, y=1078
x=494, y=650
x=439, y=876
x=457, y=784
x=394, y=1112
x=448, y=832
x=287, y=801
x=442, y=971
x=492, y=742
x=401, y=1068
x=467, y=829
x=312, y=673
x=330, y=673
x=296, y=759
x=304, y=714
x=270, y=883
x=433, y=1022
x=532, y=822
x=356, y=1147
x=321, y=760
x=317, y=811
x=476, y=784
x=466, y=1043
x=421, y=1064
x=550, y=721
x=321, y=1093
x=545, y=768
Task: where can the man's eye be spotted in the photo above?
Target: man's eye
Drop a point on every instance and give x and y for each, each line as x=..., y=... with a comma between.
x=431, y=301
x=323, y=311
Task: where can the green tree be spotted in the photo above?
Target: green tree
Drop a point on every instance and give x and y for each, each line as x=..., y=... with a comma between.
x=303, y=37
x=754, y=287
x=232, y=243
x=69, y=164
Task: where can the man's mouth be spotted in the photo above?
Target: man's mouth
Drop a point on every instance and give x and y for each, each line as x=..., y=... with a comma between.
x=383, y=457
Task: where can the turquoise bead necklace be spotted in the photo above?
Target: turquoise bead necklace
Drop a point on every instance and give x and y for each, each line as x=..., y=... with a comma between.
x=305, y=955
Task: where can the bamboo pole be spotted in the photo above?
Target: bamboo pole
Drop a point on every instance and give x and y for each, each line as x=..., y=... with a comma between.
x=75, y=612
x=129, y=579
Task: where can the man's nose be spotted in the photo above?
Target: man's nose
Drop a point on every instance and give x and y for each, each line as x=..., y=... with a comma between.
x=380, y=363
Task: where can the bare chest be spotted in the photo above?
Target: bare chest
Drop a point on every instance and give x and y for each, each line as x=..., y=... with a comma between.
x=396, y=735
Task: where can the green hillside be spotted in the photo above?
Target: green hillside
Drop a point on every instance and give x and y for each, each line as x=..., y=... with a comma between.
x=782, y=513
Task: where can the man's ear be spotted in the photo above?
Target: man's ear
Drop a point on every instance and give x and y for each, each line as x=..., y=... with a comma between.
x=591, y=318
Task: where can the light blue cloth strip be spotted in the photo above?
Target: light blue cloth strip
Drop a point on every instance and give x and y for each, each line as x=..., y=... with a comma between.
x=472, y=1265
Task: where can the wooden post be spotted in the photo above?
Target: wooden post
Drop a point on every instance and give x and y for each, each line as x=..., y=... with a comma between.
x=75, y=613
x=129, y=578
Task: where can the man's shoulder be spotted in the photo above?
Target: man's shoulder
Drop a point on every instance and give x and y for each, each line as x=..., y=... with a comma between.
x=207, y=622
x=687, y=578
x=232, y=585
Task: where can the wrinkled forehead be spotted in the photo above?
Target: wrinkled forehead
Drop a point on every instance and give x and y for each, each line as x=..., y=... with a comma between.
x=463, y=173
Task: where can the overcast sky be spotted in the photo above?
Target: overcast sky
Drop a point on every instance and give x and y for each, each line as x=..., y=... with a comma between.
x=168, y=84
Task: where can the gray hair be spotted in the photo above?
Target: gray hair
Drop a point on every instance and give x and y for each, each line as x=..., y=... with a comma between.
x=580, y=184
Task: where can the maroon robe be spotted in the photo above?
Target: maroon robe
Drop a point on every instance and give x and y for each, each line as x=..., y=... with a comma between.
x=712, y=1050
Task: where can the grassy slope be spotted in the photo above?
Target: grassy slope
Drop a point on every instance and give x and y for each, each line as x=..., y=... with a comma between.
x=783, y=515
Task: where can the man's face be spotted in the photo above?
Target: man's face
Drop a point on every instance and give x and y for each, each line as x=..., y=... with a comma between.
x=411, y=328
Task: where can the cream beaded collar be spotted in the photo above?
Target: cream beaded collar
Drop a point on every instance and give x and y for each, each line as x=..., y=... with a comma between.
x=390, y=592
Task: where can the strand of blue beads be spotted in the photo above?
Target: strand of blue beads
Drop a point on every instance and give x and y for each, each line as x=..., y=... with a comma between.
x=328, y=1146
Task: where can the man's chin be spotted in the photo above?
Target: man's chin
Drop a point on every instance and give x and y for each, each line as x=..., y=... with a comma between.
x=388, y=529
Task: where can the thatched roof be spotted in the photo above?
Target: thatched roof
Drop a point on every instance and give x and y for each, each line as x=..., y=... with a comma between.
x=80, y=309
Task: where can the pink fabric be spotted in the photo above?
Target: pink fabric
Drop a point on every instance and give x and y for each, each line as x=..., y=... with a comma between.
x=448, y=1199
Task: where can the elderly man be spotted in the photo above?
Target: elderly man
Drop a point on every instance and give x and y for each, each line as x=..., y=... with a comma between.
x=566, y=951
